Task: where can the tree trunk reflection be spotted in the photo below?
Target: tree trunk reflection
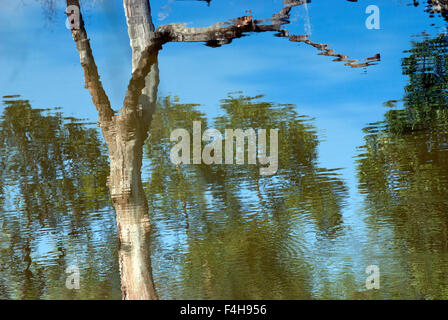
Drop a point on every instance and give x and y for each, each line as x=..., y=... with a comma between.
x=125, y=134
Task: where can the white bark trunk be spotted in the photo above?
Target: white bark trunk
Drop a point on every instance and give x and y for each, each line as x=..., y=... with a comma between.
x=140, y=30
x=125, y=140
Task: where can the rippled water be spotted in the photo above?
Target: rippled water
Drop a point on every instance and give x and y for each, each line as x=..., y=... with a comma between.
x=363, y=158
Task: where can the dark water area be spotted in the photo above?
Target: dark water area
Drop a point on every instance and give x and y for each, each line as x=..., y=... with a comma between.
x=362, y=176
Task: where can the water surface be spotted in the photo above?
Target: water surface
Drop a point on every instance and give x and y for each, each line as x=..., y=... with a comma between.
x=362, y=176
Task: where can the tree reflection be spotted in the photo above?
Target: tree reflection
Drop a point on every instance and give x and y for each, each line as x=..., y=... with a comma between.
x=126, y=131
x=404, y=173
x=240, y=233
x=54, y=172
